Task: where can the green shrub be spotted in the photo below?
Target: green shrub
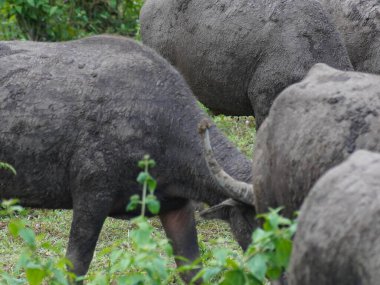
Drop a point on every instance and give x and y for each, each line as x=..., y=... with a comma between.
x=34, y=268
x=59, y=20
x=8, y=25
x=266, y=258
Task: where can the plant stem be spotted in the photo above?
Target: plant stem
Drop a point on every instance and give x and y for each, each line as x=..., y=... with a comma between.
x=144, y=192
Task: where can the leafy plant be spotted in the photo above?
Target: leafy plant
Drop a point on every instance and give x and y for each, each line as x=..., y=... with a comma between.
x=8, y=25
x=148, y=183
x=10, y=208
x=58, y=20
x=39, y=20
x=152, y=259
x=36, y=269
x=111, y=16
x=265, y=259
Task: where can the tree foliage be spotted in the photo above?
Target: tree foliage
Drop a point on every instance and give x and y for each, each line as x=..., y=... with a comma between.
x=59, y=20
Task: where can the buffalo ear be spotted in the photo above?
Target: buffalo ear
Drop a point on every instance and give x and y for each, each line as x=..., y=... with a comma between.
x=220, y=211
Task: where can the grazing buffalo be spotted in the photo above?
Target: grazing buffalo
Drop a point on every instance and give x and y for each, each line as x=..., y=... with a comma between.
x=313, y=126
x=358, y=22
x=237, y=56
x=337, y=240
x=77, y=116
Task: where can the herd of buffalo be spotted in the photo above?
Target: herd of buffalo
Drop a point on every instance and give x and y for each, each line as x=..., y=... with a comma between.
x=77, y=116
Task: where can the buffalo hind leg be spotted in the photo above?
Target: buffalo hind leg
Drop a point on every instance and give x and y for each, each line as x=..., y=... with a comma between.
x=179, y=226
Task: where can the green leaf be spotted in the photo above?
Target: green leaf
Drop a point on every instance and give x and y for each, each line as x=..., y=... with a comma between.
x=151, y=163
x=234, y=277
x=134, y=202
x=60, y=276
x=17, y=209
x=142, y=236
x=257, y=265
x=115, y=255
x=231, y=263
x=53, y=10
x=15, y=227
x=31, y=3
x=274, y=273
x=153, y=205
x=112, y=3
x=272, y=219
x=260, y=235
x=142, y=177
x=28, y=236
x=135, y=279
x=210, y=273
x=283, y=251
x=101, y=279
x=167, y=247
x=141, y=164
x=253, y=281
x=124, y=263
x=293, y=229
x=9, y=203
x=33, y=15
x=35, y=275
x=220, y=255
x=152, y=184
x=18, y=9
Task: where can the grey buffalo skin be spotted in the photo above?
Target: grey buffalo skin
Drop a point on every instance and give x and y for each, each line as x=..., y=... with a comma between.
x=77, y=116
x=312, y=126
x=358, y=22
x=237, y=56
x=337, y=239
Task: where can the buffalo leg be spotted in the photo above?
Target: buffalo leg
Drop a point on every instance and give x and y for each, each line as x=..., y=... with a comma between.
x=180, y=228
x=84, y=233
x=92, y=201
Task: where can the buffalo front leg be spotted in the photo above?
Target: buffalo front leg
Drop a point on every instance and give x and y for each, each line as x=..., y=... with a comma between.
x=92, y=201
x=88, y=219
x=84, y=233
x=179, y=226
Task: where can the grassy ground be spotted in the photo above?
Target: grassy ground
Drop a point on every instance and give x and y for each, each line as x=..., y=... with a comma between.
x=55, y=225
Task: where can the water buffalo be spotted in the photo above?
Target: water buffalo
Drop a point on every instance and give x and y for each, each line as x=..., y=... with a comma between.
x=337, y=240
x=358, y=22
x=77, y=116
x=312, y=126
x=237, y=56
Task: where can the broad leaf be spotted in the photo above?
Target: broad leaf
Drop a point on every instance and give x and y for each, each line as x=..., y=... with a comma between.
x=35, y=276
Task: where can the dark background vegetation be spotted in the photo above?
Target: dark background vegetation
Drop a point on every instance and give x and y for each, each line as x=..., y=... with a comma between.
x=60, y=20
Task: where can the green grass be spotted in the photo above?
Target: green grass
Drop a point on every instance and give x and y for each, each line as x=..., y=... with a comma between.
x=240, y=130
x=55, y=225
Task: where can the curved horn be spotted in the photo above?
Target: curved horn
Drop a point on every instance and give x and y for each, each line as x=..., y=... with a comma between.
x=233, y=188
